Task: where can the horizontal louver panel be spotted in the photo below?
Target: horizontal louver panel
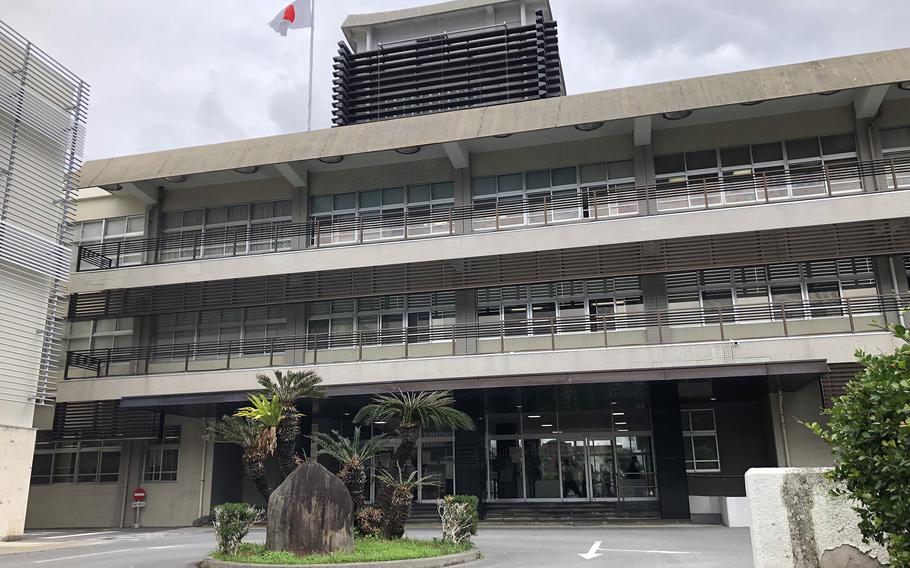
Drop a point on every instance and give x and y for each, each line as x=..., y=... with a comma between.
x=834, y=382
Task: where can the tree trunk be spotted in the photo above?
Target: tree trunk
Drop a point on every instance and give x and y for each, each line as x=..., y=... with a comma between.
x=354, y=478
x=288, y=429
x=255, y=470
x=397, y=516
x=401, y=458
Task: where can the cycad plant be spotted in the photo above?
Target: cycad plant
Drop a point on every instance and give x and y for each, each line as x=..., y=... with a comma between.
x=245, y=432
x=401, y=493
x=289, y=388
x=352, y=454
x=267, y=413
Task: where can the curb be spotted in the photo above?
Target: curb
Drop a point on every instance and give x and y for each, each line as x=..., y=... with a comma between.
x=432, y=562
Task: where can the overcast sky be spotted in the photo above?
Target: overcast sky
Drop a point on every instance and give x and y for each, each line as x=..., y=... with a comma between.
x=170, y=73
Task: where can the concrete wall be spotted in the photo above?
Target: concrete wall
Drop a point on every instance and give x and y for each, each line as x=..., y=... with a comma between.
x=797, y=523
x=16, y=448
x=108, y=206
x=226, y=194
x=604, y=149
x=805, y=448
x=386, y=175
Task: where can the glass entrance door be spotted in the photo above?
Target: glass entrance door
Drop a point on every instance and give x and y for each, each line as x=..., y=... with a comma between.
x=573, y=460
x=602, y=468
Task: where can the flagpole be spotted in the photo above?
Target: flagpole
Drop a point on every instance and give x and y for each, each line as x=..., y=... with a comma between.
x=309, y=104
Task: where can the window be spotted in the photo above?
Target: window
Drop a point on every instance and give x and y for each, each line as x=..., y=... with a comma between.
x=227, y=230
x=741, y=174
x=161, y=463
x=553, y=195
x=75, y=462
x=99, y=334
x=378, y=214
x=810, y=289
x=896, y=146
x=573, y=306
x=113, y=230
x=380, y=320
x=700, y=440
x=245, y=325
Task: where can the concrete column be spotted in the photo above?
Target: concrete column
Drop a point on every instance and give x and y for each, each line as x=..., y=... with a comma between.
x=297, y=325
x=887, y=282
x=654, y=294
x=300, y=213
x=669, y=453
x=17, y=446
x=866, y=151
x=465, y=312
x=463, y=198
x=643, y=164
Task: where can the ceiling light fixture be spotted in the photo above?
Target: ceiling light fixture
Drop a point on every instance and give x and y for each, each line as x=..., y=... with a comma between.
x=546, y=425
x=751, y=103
x=408, y=150
x=904, y=85
x=620, y=423
x=111, y=187
x=589, y=126
x=619, y=414
x=506, y=135
x=713, y=398
x=676, y=114
x=331, y=159
x=247, y=170
x=829, y=93
x=379, y=422
x=175, y=179
x=533, y=415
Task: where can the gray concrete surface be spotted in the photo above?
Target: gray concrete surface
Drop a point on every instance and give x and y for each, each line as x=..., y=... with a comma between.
x=629, y=547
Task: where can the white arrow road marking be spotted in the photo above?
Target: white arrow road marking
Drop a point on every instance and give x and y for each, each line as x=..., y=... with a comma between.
x=592, y=552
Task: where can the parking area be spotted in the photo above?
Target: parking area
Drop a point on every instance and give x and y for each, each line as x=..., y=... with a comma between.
x=626, y=546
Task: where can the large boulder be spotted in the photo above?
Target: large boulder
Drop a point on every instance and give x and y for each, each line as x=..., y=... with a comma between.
x=311, y=512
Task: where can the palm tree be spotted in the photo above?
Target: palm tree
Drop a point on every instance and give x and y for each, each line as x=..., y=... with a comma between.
x=353, y=455
x=412, y=412
x=245, y=432
x=401, y=489
x=268, y=414
x=289, y=388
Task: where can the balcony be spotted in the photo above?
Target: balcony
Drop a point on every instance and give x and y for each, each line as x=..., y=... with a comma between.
x=589, y=204
x=660, y=327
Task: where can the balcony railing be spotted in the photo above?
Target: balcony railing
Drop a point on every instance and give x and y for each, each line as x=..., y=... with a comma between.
x=594, y=203
x=779, y=319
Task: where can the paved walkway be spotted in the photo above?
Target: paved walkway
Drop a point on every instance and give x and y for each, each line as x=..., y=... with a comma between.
x=629, y=547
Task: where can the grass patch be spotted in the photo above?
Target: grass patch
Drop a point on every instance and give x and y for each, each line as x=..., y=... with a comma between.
x=365, y=550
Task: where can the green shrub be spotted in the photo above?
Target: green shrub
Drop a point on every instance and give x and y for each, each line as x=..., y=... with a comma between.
x=368, y=522
x=232, y=523
x=459, y=518
x=474, y=504
x=869, y=432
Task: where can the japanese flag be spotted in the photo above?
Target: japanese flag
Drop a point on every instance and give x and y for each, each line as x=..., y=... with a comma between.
x=297, y=14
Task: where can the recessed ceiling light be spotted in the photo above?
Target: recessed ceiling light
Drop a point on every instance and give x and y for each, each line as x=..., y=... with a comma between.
x=506, y=135
x=175, y=179
x=589, y=126
x=533, y=415
x=676, y=114
x=331, y=159
x=713, y=398
x=621, y=423
x=247, y=170
x=829, y=93
x=111, y=187
x=751, y=103
x=546, y=425
x=347, y=413
x=622, y=430
x=408, y=150
x=904, y=85
x=619, y=414
x=379, y=422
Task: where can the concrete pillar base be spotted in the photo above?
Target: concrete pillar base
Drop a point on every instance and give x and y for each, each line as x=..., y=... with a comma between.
x=17, y=446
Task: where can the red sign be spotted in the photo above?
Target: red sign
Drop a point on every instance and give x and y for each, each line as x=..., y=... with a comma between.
x=139, y=494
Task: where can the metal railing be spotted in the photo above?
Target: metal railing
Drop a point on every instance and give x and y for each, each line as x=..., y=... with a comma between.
x=594, y=203
x=783, y=319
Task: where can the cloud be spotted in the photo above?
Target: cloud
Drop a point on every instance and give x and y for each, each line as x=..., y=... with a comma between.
x=168, y=74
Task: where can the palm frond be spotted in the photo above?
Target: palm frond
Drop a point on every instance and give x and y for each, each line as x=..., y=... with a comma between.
x=348, y=450
x=265, y=410
x=404, y=483
x=238, y=430
x=291, y=386
x=427, y=409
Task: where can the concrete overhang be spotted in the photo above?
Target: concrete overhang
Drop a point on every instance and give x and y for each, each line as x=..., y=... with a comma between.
x=727, y=91
x=815, y=212
x=691, y=361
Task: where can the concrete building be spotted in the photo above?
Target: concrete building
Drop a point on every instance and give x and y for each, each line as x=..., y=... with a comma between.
x=637, y=293
x=42, y=121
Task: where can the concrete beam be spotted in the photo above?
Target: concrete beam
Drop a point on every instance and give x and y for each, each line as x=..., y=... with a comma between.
x=868, y=100
x=295, y=175
x=145, y=196
x=642, y=130
x=458, y=154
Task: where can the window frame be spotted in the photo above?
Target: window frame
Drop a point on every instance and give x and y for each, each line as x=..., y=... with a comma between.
x=156, y=474
x=77, y=449
x=79, y=240
x=692, y=434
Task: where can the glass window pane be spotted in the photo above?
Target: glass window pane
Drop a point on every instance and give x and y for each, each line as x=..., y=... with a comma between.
x=110, y=466
x=621, y=170
x=262, y=210
x=593, y=173
x=511, y=182
x=538, y=180
x=418, y=193
x=702, y=420
x=370, y=198
x=41, y=468
x=216, y=215
x=115, y=226
x=805, y=148
x=704, y=159
x=135, y=224
x=345, y=201
x=193, y=218
x=669, y=164
x=895, y=138
x=485, y=186
x=321, y=204
x=564, y=176
x=393, y=196
x=445, y=190
x=770, y=152
x=91, y=230
x=88, y=466
x=738, y=156
x=838, y=144
x=705, y=447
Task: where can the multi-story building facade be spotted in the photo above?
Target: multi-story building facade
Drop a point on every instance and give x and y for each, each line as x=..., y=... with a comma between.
x=42, y=127
x=636, y=293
